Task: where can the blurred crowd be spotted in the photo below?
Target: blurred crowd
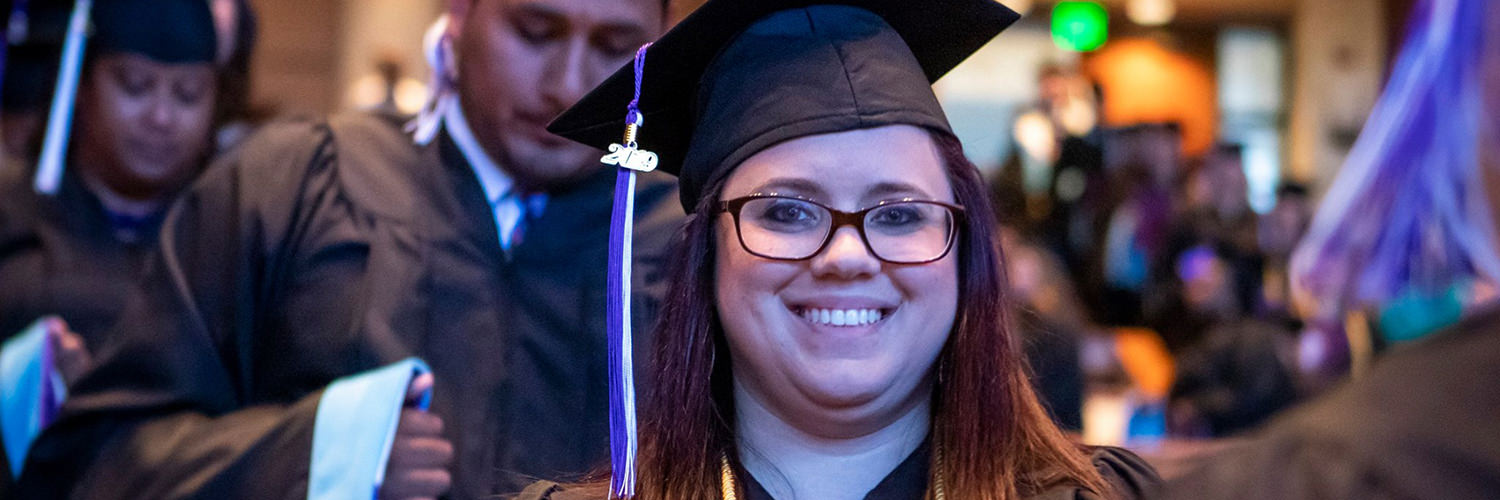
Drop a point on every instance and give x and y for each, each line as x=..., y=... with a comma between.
x=1148, y=270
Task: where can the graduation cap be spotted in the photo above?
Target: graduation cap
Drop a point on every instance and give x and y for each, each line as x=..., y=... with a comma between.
x=737, y=77
x=729, y=81
x=167, y=31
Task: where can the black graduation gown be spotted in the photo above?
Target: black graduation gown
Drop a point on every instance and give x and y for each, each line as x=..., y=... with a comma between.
x=59, y=255
x=318, y=251
x=1131, y=477
x=1423, y=422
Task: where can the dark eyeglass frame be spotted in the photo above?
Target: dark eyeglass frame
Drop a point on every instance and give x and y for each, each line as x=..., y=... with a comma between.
x=840, y=219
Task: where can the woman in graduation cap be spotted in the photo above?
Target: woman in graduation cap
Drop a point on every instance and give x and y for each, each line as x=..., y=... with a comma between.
x=836, y=327
x=72, y=240
x=143, y=127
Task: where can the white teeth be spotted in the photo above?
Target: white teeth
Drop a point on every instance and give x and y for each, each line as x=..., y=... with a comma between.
x=842, y=317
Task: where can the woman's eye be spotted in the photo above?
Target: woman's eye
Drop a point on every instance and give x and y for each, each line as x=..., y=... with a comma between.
x=132, y=82
x=784, y=215
x=189, y=93
x=788, y=212
x=896, y=216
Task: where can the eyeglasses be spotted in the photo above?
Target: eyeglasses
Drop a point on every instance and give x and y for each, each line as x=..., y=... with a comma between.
x=782, y=227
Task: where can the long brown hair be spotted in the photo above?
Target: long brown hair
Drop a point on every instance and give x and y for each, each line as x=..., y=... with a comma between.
x=997, y=440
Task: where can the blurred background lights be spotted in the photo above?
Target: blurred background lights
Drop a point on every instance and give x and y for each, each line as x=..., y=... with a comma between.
x=1151, y=12
x=1079, y=26
x=1022, y=7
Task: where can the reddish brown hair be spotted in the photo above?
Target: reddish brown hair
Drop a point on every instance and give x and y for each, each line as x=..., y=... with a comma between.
x=998, y=441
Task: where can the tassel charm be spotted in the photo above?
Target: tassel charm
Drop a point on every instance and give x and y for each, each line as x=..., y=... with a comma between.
x=629, y=155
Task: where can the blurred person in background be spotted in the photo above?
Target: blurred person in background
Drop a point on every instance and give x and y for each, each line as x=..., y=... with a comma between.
x=1057, y=178
x=1238, y=375
x=271, y=352
x=142, y=131
x=1278, y=233
x=1048, y=322
x=1209, y=270
x=1127, y=230
x=31, y=64
x=1403, y=243
x=1237, y=369
x=234, y=115
x=1133, y=237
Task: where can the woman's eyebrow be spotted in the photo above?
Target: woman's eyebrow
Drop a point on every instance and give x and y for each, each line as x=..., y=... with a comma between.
x=889, y=188
x=805, y=187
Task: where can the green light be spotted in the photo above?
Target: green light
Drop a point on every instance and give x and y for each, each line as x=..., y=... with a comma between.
x=1080, y=25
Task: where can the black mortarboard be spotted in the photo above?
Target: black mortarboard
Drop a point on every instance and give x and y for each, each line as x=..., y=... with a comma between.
x=738, y=76
x=168, y=31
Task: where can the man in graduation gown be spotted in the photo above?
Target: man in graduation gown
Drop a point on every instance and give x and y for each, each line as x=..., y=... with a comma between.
x=1423, y=421
x=323, y=250
x=142, y=131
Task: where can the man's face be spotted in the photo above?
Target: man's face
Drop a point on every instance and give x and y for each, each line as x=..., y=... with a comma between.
x=523, y=62
x=144, y=127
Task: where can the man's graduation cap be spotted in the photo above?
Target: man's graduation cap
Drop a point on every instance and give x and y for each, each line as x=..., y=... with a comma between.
x=737, y=77
x=168, y=31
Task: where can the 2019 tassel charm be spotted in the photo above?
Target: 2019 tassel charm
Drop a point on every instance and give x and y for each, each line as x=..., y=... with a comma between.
x=628, y=154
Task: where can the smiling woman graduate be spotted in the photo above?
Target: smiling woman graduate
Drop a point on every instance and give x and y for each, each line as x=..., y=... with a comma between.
x=836, y=326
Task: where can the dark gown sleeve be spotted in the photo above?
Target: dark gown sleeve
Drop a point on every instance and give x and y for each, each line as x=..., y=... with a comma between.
x=1420, y=423
x=1130, y=476
x=549, y=490
x=170, y=409
x=1275, y=467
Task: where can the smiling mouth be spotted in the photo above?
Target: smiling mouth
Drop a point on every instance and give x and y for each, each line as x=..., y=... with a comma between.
x=842, y=317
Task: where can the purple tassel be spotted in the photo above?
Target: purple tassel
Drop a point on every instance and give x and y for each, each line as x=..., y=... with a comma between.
x=622, y=434
x=1408, y=210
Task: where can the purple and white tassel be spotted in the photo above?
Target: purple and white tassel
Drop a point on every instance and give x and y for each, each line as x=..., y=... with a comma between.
x=630, y=159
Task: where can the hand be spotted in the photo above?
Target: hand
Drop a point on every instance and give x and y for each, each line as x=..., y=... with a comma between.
x=418, y=468
x=70, y=356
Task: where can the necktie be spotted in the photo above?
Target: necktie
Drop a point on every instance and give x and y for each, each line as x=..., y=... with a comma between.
x=512, y=212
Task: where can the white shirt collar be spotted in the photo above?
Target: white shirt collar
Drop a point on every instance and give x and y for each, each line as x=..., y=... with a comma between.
x=494, y=181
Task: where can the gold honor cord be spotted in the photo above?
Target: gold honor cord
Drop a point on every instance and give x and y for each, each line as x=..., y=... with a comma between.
x=728, y=488
x=726, y=478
